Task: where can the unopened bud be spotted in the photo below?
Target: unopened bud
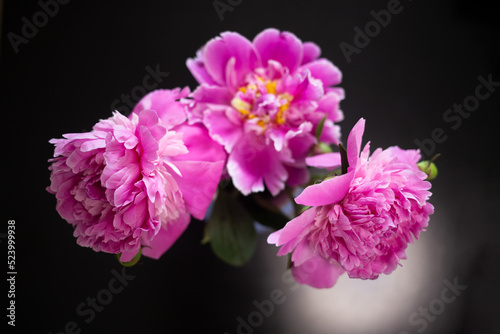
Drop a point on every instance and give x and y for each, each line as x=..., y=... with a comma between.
x=429, y=168
x=322, y=148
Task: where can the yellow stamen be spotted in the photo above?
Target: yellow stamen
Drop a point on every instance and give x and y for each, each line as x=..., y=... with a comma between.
x=280, y=118
x=271, y=87
x=240, y=105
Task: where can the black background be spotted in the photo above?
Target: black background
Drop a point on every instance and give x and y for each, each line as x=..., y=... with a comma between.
x=66, y=77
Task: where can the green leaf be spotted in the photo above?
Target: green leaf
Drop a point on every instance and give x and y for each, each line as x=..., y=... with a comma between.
x=231, y=230
x=319, y=128
x=263, y=211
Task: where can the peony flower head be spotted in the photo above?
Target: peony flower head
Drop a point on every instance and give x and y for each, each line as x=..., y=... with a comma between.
x=263, y=100
x=132, y=183
x=360, y=222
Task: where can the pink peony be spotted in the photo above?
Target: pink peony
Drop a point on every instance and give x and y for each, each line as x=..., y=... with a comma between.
x=360, y=222
x=133, y=182
x=263, y=101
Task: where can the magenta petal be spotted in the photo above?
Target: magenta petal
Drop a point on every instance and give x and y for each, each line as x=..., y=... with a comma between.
x=330, y=191
x=311, y=52
x=329, y=103
x=198, y=183
x=163, y=101
x=327, y=160
x=354, y=143
x=129, y=255
x=197, y=68
x=288, y=235
x=251, y=163
x=166, y=237
x=212, y=94
x=199, y=145
x=221, y=128
x=316, y=271
x=283, y=47
x=297, y=176
x=220, y=50
x=325, y=71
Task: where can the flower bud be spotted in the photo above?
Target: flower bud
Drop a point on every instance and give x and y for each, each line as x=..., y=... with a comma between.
x=321, y=148
x=429, y=168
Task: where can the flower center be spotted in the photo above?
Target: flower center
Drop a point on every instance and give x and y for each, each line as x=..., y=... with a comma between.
x=258, y=103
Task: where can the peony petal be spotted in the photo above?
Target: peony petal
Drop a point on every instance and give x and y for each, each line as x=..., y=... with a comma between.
x=220, y=50
x=325, y=71
x=199, y=145
x=289, y=234
x=311, y=52
x=283, y=47
x=165, y=237
x=251, y=163
x=354, y=143
x=297, y=176
x=329, y=103
x=129, y=255
x=163, y=101
x=198, y=183
x=329, y=161
x=212, y=94
x=221, y=128
x=316, y=271
x=197, y=68
x=330, y=191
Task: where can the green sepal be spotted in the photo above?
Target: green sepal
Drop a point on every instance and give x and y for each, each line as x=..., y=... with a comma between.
x=132, y=262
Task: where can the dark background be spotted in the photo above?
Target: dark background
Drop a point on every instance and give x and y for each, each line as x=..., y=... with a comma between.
x=66, y=77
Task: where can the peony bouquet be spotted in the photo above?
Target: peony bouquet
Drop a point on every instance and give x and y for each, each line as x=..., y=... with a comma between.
x=257, y=141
